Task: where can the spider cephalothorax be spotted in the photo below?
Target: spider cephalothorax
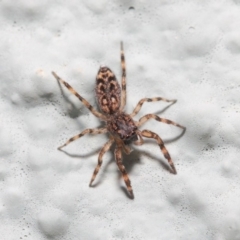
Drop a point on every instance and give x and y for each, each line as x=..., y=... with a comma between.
x=121, y=127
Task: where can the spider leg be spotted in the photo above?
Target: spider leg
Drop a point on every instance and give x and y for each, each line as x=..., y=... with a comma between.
x=104, y=149
x=145, y=118
x=83, y=100
x=123, y=95
x=86, y=131
x=118, y=157
x=140, y=103
x=149, y=134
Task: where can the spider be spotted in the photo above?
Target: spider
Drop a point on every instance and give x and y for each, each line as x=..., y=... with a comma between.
x=121, y=127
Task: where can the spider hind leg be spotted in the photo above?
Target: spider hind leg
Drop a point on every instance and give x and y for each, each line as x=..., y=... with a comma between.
x=104, y=149
x=149, y=134
x=118, y=157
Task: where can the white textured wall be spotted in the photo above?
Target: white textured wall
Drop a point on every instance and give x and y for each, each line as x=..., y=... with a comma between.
x=188, y=50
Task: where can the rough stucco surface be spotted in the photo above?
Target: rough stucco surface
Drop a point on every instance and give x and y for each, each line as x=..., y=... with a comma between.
x=185, y=50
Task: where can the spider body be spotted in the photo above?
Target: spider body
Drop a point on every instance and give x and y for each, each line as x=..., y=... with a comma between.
x=121, y=127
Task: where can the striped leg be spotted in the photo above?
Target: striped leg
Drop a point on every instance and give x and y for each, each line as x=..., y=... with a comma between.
x=145, y=118
x=104, y=149
x=86, y=131
x=83, y=100
x=118, y=157
x=140, y=103
x=149, y=134
x=123, y=94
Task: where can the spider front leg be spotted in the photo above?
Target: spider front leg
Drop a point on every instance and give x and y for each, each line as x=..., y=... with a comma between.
x=145, y=118
x=149, y=134
x=118, y=157
x=123, y=95
x=83, y=100
x=86, y=131
x=140, y=103
x=104, y=149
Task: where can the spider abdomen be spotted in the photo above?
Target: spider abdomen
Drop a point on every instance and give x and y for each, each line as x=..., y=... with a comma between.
x=123, y=126
x=108, y=91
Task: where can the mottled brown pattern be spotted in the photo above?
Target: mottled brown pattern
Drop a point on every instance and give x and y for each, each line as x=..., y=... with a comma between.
x=108, y=91
x=122, y=129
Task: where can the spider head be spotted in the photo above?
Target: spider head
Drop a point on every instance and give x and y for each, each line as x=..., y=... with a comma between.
x=128, y=135
x=124, y=127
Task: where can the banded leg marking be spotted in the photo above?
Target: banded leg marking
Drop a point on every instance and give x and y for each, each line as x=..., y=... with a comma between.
x=149, y=134
x=145, y=118
x=104, y=149
x=123, y=65
x=155, y=99
x=86, y=131
x=83, y=100
x=118, y=157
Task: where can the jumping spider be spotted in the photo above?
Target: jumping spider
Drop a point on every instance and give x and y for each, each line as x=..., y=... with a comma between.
x=121, y=127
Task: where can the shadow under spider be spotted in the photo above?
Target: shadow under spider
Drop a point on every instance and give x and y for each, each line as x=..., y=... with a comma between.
x=164, y=109
x=160, y=159
x=163, y=163
x=167, y=140
x=80, y=155
x=128, y=161
x=103, y=170
x=134, y=158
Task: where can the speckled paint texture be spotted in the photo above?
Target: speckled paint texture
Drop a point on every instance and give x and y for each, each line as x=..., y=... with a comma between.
x=184, y=50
